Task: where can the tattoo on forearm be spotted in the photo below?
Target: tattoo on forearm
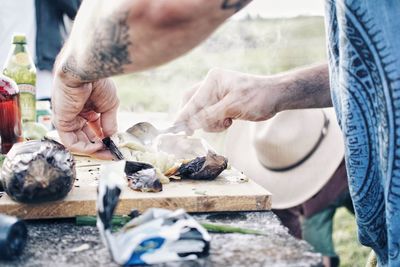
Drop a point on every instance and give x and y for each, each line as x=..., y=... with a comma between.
x=69, y=67
x=234, y=4
x=108, y=52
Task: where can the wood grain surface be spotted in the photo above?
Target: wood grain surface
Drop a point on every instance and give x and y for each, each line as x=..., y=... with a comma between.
x=229, y=192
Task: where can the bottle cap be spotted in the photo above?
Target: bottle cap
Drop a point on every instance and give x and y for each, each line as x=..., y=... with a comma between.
x=19, y=39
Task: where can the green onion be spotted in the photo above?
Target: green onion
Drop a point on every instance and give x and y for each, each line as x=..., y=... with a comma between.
x=227, y=229
x=120, y=221
x=91, y=220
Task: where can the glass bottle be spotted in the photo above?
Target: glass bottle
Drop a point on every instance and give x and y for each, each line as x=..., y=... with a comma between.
x=43, y=114
x=10, y=115
x=22, y=70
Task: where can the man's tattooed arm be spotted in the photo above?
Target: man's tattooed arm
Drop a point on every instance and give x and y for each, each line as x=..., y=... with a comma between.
x=125, y=36
x=108, y=53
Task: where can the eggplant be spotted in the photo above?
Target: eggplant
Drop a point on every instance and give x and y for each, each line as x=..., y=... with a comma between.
x=203, y=168
x=142, y=177
x=38, y=171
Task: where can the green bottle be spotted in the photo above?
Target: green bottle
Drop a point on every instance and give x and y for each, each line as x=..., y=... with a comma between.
x=22, y=70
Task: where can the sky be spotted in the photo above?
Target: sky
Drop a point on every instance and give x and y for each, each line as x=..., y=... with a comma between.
x=283, y=8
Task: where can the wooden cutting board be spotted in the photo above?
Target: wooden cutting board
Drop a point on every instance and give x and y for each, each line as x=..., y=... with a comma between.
x=229, y=192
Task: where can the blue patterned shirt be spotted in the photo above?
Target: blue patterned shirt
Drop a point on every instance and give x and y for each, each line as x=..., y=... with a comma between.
x=364, y=62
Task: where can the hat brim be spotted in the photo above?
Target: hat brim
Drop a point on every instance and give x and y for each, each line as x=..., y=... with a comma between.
x=294, y=186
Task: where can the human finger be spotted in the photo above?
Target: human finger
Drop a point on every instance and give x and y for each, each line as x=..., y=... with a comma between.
x=105, y=101
x=109, y=121
x=199, y=101
x=93, y=120
x=68, y=102
x=102, y=154
x=208, y=93
x=215, y=118
x=91, y=134
x=188, y=94
x=79, y=143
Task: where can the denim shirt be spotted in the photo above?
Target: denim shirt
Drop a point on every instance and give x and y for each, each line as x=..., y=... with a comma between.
x=49, y=27
x=364, y=63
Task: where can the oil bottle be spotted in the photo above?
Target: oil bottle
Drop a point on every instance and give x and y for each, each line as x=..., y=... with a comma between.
x=22, y=70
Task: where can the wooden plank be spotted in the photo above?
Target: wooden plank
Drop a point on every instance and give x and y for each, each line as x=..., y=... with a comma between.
x=227, y=193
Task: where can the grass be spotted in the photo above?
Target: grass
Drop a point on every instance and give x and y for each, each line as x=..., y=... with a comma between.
x=351, y=252
x=260, y=46
x=255, y=46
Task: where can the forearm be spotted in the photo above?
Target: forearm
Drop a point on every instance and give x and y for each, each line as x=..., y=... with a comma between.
x=304, y=88
x=126, y=36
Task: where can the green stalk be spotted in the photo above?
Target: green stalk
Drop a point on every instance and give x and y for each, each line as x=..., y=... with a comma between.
x=91, y=220
x=227, y=229
x=120, y=221
x=2, y=158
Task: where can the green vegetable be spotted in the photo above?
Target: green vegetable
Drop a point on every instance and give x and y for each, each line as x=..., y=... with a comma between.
x=38, y=171
x=227, y=229
x=2, y=158
x=120, y=221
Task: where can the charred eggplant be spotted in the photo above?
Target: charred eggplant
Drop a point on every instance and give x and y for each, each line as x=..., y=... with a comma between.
x=142, y=177
x=203, y=168
x=38, y=171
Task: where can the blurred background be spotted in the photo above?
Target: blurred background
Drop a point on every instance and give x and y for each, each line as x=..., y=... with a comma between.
x=266, y=37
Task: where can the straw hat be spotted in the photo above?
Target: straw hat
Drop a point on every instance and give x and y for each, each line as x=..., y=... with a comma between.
x=293, y=155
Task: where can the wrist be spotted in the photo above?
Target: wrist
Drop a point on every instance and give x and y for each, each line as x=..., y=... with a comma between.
x=283, y=89
x=274, y=99
x=66, y=71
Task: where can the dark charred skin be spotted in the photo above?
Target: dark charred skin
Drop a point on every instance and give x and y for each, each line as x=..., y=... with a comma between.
x=110, y=145
x=145, y=181
x=203, y=168
x=142, y=177
x=38, y=171
x=134, y=166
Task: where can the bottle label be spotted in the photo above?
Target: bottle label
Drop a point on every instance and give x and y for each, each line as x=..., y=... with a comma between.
x=27, y=102
x=46, y=121
x=27, y=88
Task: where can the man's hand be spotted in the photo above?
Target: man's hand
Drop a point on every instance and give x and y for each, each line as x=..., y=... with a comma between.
x=84, y=113
x=227, y=95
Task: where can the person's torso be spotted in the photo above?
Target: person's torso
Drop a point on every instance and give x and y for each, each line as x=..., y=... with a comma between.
x=364, y=59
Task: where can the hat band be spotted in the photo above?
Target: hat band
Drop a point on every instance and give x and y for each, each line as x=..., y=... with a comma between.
x=324, y=131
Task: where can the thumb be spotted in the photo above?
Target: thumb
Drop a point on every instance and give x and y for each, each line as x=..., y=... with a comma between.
x=215, y=118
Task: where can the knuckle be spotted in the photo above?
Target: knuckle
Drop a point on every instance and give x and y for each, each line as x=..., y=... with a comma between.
x=214, y=72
